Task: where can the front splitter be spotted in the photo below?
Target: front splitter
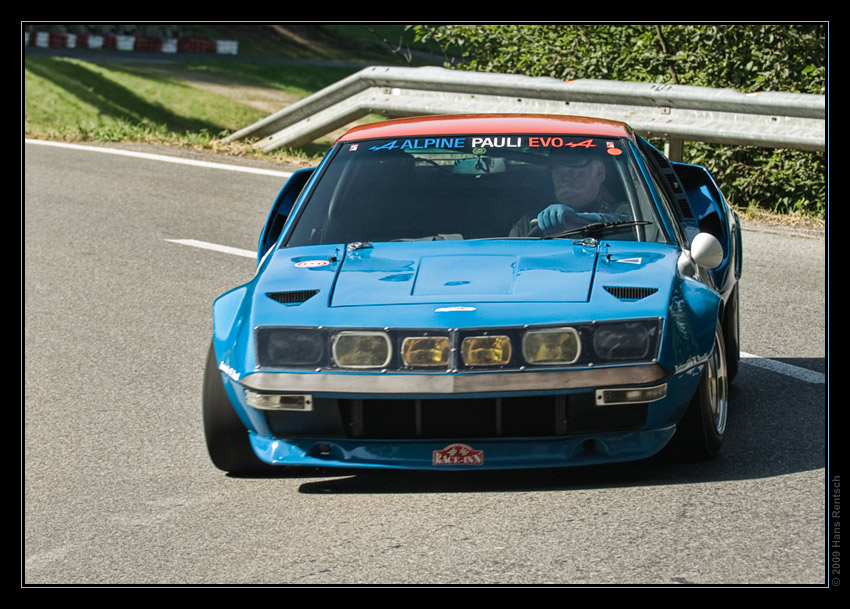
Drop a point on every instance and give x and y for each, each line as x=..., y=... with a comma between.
x=453, y=455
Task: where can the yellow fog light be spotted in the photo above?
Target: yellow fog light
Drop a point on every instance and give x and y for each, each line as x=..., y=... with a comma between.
x=551, y=346
x=486, y=350
x=426, y=351
x=362, y=349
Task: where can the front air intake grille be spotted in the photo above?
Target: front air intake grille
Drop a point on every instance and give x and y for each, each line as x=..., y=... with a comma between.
x=292, y=298
x=629, y=293
x=457, y=418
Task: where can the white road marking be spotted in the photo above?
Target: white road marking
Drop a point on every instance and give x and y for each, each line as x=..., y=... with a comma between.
x=214, y=247
x=803, y=374
x=163, y=157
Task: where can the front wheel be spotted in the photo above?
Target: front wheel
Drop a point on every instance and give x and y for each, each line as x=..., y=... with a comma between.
x=701, y=431
x=227, y=438
x=732, y=334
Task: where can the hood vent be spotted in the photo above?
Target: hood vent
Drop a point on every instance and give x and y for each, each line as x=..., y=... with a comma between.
x=627, y=293
x=295, y=297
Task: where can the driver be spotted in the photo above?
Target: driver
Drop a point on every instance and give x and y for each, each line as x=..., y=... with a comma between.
x=577, y=178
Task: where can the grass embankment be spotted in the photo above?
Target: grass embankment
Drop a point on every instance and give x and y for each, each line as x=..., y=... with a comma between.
x=191, y=104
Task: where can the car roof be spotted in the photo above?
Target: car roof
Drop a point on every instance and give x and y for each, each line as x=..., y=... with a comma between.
x=488, y=124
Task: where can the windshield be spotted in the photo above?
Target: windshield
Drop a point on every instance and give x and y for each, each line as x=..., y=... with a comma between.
x=477, y=187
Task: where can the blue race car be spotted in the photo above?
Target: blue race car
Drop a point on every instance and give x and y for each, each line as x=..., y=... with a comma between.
x=474, y=292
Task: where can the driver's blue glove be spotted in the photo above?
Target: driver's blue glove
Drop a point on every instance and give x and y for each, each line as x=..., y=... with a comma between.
x=556, y=216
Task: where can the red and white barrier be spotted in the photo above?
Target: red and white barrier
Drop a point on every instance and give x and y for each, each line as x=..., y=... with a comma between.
x=139, y=44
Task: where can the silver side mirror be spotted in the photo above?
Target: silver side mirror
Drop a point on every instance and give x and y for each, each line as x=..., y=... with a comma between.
x=706, y=251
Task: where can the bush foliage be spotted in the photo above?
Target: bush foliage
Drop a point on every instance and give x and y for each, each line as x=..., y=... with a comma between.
x=748, y=58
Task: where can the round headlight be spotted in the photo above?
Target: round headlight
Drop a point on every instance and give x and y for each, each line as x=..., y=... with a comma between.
x=551, y=346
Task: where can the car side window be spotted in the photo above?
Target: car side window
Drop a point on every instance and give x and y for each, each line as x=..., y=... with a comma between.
x=667, y=205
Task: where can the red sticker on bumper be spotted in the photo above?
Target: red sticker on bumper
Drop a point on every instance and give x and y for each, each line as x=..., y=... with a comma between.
x=458, y=454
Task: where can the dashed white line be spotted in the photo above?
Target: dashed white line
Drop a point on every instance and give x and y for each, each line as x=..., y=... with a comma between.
x=215, y=247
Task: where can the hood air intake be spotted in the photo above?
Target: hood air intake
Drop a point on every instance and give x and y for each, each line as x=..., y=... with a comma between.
x=295, y=297
x=628, y=293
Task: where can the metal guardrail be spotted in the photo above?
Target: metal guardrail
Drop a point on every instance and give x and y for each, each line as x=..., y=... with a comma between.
x=676, y=113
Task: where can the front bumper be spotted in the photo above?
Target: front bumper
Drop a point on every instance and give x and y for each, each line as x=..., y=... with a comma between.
x=505, y=420
x=484, y=454
x=346, y=383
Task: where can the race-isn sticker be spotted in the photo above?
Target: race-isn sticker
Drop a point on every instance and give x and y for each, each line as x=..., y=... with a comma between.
x=611, y=149
x=229, y=371
x=458, y=454
x=311, y=264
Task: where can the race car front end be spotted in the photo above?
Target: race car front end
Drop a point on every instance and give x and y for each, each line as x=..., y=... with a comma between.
x=465, y=385
x=479, y=292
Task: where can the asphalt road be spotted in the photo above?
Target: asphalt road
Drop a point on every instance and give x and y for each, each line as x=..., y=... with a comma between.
x=117, y=487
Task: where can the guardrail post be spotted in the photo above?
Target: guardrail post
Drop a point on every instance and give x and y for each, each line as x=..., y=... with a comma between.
x=674, y=149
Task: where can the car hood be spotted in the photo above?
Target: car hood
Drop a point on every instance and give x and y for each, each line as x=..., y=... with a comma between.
x=481, y=271
x=556, y=272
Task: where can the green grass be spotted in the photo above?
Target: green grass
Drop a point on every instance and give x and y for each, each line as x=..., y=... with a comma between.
x=73, y=100
x=295, y=79
x=76, y=100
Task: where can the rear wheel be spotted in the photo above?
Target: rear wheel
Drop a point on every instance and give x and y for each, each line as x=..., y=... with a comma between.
x=701, y=431
x=227, y=438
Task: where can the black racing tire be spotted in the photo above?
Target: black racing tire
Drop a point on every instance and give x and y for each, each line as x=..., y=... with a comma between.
x=227, y=438
x=701, y=431
x=732, y=334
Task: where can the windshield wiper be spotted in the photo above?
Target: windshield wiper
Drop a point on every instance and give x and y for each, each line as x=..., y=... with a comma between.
x=596, y=227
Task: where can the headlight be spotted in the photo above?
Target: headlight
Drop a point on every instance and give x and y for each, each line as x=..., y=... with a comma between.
x=551, y=346
x=361, y=349
x=486, y=350
x=426, y=351
x=278, y=347
x=625, y=341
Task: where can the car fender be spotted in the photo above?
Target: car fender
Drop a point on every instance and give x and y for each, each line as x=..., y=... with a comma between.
x=228, y=321
x=692, y=318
